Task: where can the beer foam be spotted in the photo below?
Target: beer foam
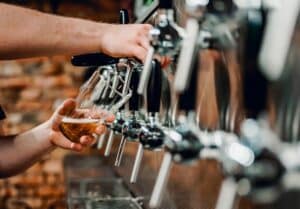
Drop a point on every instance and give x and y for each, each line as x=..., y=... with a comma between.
x=79, y=120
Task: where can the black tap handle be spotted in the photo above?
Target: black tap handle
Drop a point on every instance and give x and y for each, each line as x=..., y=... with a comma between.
x=187, y=100
x=255, y=84
x=221, y=6
x=166, y=4
x=99, y=59
x=222, y=84
x=124, y=16
x=94, y=59
x=134, y=102
x=154, y=87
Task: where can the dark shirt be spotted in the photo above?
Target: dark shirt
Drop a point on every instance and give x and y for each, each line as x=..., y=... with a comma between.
x=2, y=114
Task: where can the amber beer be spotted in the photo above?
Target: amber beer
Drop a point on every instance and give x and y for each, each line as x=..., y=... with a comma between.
x=74, y=128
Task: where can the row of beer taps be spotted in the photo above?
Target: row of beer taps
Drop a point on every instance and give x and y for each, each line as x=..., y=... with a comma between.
x=157, y=108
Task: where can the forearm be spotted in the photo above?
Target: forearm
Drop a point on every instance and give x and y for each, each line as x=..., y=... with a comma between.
x=17, y=153
x=28, y=33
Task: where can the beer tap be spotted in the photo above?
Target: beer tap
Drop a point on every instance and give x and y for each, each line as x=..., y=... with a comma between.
x=252, y=168
x=153, y=93
x=182, y=144
x=189, y=44
x=151, y=136
x=100, y=95
x=110, y=80
x=130, y=129
x=165, y=39
x=116, y=98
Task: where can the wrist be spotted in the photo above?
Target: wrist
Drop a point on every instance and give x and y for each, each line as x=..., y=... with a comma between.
x=103, y=29
x=43, y=134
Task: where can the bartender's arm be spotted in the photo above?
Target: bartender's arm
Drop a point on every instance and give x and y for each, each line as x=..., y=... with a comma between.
x=28, y=33
x=19, y=152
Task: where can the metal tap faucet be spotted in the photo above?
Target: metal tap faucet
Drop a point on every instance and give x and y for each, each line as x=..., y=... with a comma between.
x=252, y=169
x=165, y=39
x=182, y=143
x=131, y=127
x=151, y=135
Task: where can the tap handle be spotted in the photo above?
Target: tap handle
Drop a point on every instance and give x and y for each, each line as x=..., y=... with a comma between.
x=154, y=87
x=146, y=71
x=187, y=100
x=109, y=143
x=120, y=152
x=255, y=95
x=227, y=194
x=187, y=56
x=97, y=93
x=278, y=35
x=101, y=141
x=137, y=164
x=93, y=59
x=161, y=181
x=115, y=84
x=124, y=16
x=221, y=6
x=134, y=102
x=166, y=4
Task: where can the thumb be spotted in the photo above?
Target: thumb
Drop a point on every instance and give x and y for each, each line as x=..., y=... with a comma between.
x=65, y=109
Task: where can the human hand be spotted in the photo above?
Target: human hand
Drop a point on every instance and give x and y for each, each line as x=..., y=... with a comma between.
x=68, y=107
x=125, y=40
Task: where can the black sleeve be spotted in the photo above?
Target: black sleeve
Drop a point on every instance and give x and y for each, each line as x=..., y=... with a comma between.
x=2, y=114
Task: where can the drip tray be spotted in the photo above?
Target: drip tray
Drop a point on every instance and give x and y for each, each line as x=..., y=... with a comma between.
x=97, y=188
x=115, y=203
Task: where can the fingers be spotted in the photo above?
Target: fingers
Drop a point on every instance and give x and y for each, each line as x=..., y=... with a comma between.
x=101, y=129
x=144, y=42
x=67, y=107
x=60, y=141
x=110, y=118
x=147, y=27
x=140, y=53
x=87, y=140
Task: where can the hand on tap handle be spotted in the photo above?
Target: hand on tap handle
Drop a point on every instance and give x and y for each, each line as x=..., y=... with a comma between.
x=99, y=59
x=135, y=46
